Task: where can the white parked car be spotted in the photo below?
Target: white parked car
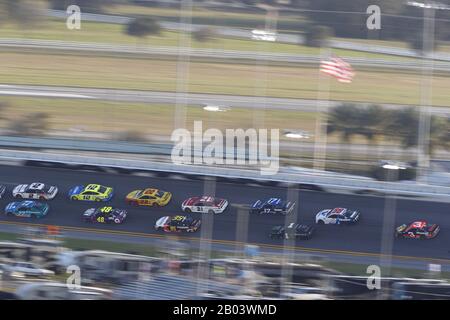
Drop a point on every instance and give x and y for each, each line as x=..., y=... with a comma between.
x=264, y=35
x=35, y=190
x=27, y=269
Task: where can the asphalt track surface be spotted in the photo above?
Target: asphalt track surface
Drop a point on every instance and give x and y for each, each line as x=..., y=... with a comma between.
x=365, y=237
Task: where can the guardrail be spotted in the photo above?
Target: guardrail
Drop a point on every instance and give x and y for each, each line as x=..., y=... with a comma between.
x=330, y=183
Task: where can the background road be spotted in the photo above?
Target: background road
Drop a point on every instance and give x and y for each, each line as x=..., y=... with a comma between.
x=201, y=99
x=245, y=34
x=364, y=237
x=214, y=54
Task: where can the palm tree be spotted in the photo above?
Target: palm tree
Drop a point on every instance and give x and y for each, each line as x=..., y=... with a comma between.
x=403, y=125
x=439, y=134
x=371, y=122
x=344, y=121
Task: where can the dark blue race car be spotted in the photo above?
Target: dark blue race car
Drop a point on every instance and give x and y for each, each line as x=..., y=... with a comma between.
x=272, y=206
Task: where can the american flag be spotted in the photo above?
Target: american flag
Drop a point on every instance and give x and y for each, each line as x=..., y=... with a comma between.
x=337, y=68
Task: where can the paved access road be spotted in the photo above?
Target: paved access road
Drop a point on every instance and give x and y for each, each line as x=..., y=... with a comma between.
x=362, y=238
x=251, y=102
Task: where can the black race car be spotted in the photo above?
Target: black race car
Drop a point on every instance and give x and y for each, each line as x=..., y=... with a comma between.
x=105, y=215
x=417, y=230
x=177, y=224
x=272, y=206
x=292, y=231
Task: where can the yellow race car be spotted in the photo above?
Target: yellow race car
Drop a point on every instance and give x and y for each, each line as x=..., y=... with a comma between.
x=148, y=197
x=91, y=192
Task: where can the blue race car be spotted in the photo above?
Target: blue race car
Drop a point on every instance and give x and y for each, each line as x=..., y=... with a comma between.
x=27, y=209
x=272, y=206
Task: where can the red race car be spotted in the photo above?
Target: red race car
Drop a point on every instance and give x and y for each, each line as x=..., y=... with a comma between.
x=417, y=230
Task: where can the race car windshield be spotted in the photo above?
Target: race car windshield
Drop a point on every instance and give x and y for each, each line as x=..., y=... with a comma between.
x=102, y=189
x=348, y=213
x=159, y=193
x=188, y=220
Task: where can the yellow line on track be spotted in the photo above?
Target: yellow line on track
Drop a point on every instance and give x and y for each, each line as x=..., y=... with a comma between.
x=226, y=242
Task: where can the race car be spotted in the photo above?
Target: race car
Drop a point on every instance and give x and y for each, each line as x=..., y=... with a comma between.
x=292, y=231
x=105, y=215
x=204, y=204
x=337, y=216
x=35, y=190
x=272, y=205
x=91, y=192
x=2, y=190
x=27, y=209
x=148, y=197
x=417, y=230
x=177, y=224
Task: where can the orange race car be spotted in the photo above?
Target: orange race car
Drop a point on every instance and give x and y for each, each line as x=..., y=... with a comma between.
x=148, y=197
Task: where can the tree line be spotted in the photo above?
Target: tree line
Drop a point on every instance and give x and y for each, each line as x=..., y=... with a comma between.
x=376, y=123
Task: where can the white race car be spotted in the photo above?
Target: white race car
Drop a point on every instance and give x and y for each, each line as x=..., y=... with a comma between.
x=337, y=216
x=35, y=190
x=204, y=204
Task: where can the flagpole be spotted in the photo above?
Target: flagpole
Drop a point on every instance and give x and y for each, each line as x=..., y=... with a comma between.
x=323, y=96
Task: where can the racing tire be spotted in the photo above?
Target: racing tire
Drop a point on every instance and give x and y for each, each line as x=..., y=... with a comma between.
x=9, y=214
x=320, y=222
x=73, y=198
x=18, y=196
x=187, y=210
x=33, y=216
x=98, y=199
x=41, y=198
x=211, y=212
x=116, y=221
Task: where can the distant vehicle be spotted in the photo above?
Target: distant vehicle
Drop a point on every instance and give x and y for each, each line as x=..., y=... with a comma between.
x=91, y=192
x=337, y=216
x=27, y=269
x=303, y=293
x=178, y=224
x=417, y=230
x=264, y=35
x=35, y=190
x=2, y=190
x=60, y=291
x=272, y=206
x=204, y=204
x=292, y=231
x=27, y=209
x=149, y=197
x=105, y=215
